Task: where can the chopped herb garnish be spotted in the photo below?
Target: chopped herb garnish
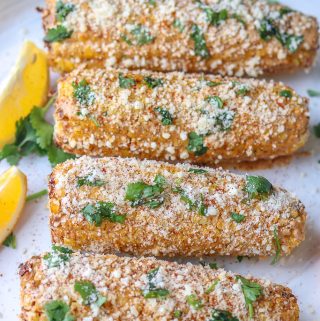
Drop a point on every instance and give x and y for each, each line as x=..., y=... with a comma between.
x=213, y=83
x=194, y=302
x=196, y=144
x=139, y=36
x=291, y=42
x=82, y=93
x=313, y=93
x=34, y=196
x=153, y=82
x=63, y=9
x=126, y=82
x=241, y=89
x=192, y=205
x=34, y=135
x=316, y=130
x=140, y=193
x=240, y=258
x=237, y=217
x=278, y=246
x=10, y=241
x=166, y=117
x=200, y=46
x=258, y=187
x=89, y=181
x=213, y=266
x=152, y=291
x=152, y=2
x=155, y=293
x=97, y=213
x=268, y=30
x=57, y=310
x=214, y=101
x=285, y=10
x=58, y=256
x=285, y=93
x=211, y=287
x=89, y=293
x=177, y=313
x=251, y=291
x=238, y=18
x=179, y=25
x=197, y=170
x=222, y=315
x=213, y=17
x=58, y=34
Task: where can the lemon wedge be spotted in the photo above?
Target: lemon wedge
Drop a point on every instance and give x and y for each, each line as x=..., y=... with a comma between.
x=27, y=86
x=13, y=190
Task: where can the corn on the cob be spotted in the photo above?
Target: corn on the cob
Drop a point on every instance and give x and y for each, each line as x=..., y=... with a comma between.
x=177, y=117
x=153, y=208
x=145, y=289
x=227, y=37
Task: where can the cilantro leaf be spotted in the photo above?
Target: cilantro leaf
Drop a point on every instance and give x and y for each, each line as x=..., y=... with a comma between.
x=34, y=135
x=313, y=93
x=63, y=10
x=200, y=46
x=58, y=34
x=155, y=293
x=82, y=93
x=258, y=187
x=251, y=291
x=88, y=181
x=89, y=293
x=126, y=82
x=194, y=302
x=58, y=256
x=285, y=93
x=152, y=291
x=10, y=241
x=269, y=30
x=214, y=101
x=177, y=313
x=97, y=213
x=177, y=23
x=198, y=205
x=167, y=118
x=196, y=144
x=153, y=82
x=222, y=315
x=140, y=193
x=57, y=155
x=211, y=287
x=139, y=36
x=278, y=246
x=25, y=143
x=197, y=171
x=43, y=130
x=57, y=310
x=237, y=217
x=316, y=130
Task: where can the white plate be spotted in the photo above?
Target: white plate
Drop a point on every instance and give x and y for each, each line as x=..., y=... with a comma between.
x=301, y=271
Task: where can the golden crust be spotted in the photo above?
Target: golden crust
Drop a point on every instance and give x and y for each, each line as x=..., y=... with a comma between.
x=121, y=280
x=235, y=48
x=264, y=125
x=172, y=229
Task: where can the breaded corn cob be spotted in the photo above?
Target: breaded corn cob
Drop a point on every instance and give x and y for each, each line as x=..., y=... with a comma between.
x=125, y=205
x=178, y=117
x=228, y=37
x=107, y=287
